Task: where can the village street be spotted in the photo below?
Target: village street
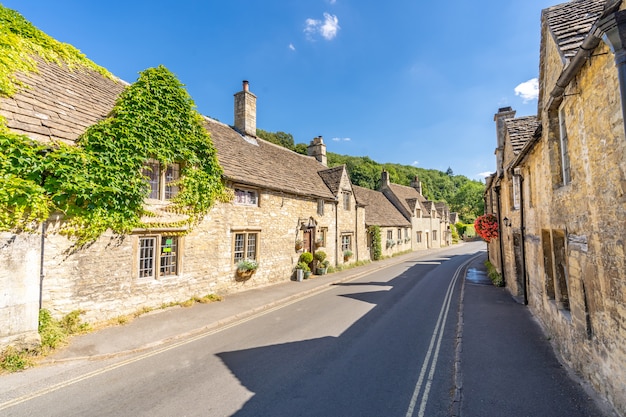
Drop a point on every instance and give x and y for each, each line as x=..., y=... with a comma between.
x=381, y=344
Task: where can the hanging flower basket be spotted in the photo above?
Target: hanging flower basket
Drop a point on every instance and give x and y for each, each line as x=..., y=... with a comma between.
x=243, y=275
x=299, y=244
x=246, y=268
x=486, y=226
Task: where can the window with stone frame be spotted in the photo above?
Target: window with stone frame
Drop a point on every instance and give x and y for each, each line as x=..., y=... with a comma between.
x=346, y=195
x=161, y=179
x=563, y=142
x=434, y=235
x=389, y=234
x=245, y=245
x=321, y=237
x=516, y=192
x=320, y=207
x=158, y=256
x=418, y=237
x=346, y=242
x=246, y=197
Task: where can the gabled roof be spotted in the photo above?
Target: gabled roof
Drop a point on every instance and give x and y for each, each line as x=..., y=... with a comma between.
x=405, y=194
x=256, y=162
x=521, y=130
x=59, y=103
x=379, y=211
x=332, y=178
x=569, y=23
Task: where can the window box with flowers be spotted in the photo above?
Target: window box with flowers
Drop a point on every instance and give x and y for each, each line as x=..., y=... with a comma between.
x=246, y=268
x=391, y=243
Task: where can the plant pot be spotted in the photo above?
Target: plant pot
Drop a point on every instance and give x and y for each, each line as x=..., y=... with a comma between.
x=320, y=271
x=307, y=274
x=299, y=275
x=244, y=275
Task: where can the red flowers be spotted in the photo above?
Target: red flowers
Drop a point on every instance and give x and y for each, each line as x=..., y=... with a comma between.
x=486, y=226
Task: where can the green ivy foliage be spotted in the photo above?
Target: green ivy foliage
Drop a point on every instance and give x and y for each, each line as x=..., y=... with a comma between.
x=20, y=41
x=98, y=184
x=377, y=251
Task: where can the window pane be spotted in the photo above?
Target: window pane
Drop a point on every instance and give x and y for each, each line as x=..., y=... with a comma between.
x=169, y=251
x=239, y=246
x=172, y=173
x=151, y=171
x=146, y=257
x=251, y=249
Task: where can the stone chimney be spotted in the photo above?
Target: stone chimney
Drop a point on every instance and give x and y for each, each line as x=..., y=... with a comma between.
x=384, y=179
x=503, y=114
x=417, y=184
x=317, y=149
x=245, y=111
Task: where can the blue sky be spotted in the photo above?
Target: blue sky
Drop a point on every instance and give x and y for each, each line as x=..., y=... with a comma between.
x=402, y=81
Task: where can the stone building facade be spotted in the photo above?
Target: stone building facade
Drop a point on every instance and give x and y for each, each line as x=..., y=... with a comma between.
x=562, y=194
x=280, y=198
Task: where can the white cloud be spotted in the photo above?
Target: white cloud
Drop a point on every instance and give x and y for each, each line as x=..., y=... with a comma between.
x=484, y=174
x=327, y=29
x=342, y=139
x=293, y=48
x=332, y=1
x=528, y=90
x=415, y=163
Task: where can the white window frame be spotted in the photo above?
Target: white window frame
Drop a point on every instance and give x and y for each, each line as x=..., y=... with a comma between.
x=246, y=197
x=246, y=245
x=158, y=256
x=346, y=242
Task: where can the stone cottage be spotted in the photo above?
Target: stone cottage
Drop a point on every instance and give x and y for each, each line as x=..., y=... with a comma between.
x=430, y=230
x=559, y=194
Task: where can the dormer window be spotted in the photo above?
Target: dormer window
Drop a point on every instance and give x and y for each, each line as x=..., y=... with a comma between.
x=246, y=197
x=346, y=199
x=162, y=179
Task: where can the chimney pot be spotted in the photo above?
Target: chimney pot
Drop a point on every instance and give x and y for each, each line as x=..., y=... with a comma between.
x=245, y=85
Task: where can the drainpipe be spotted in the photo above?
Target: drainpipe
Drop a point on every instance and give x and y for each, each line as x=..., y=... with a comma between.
x=523, y=230
x=44, y=225
x=500, y=234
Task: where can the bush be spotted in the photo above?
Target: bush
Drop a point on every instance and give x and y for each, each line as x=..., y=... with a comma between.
x=319, y=256
x=306, y=257
x=377, y=251
x=303, y=266
x=247, y=265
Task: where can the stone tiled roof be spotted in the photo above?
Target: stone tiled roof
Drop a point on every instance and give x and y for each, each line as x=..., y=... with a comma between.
x=570, y=23
x=408, y=195
x=443, y=210
x=521, y=130
x=332, y=178
x=258, y=163
x=378, y=209
x=58, y=103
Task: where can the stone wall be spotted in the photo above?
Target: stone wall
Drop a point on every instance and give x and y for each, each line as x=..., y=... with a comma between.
x=102, y=279
x=19, y=289
x=586, y=218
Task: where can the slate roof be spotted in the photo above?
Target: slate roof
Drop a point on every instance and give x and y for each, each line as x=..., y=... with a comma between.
x=409, y=197
x=379, y=210
x=521, y=130
x=58, y=103
x=332, y=178
x=570, y=23
x=256, y=162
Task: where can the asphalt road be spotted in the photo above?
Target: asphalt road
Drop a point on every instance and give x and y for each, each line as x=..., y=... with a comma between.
x=381, y=345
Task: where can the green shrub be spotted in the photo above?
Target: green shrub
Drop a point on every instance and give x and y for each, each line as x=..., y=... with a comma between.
x=377, y=250
x=13, y=360
x=494, y=275
x=306, y=257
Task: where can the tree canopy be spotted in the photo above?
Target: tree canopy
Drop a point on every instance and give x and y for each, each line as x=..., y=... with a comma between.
x=462, y=195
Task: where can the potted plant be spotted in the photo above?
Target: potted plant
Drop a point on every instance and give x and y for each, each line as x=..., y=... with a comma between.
x=302, y=271
x=246, y=268
x=347, y=254
x=319, y=242
x=320, y=257
x=299, y=244
x=306, y=258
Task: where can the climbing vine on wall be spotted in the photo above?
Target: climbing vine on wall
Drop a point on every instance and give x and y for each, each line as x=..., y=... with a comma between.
x=98, y=184
x=377, y=251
